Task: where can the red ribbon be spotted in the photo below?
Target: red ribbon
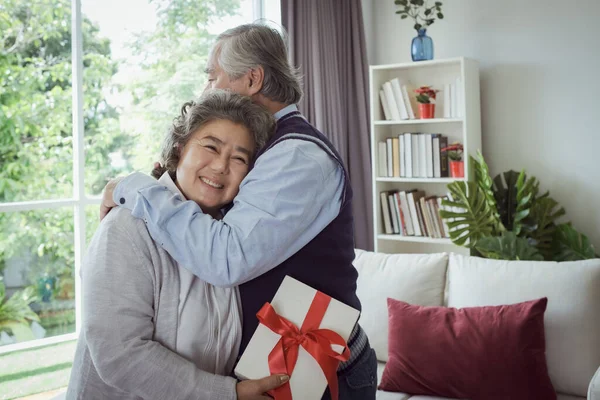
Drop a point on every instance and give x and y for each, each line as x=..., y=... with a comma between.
x=317, y=342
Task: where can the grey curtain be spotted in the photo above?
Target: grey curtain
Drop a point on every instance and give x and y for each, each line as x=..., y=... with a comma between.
x=327, y=43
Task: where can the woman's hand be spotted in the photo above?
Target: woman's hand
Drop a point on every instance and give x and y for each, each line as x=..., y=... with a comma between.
x=255, y=389
x=107, y=197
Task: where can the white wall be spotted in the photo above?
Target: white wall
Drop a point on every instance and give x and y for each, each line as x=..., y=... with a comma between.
x=540, y=87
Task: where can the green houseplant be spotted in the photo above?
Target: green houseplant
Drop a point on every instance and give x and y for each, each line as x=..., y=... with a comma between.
x=507, y=218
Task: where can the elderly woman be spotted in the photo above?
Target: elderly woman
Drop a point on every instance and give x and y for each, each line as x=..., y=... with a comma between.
x=152, y=330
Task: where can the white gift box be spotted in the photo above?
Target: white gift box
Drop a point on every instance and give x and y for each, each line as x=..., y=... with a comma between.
x=292, y=301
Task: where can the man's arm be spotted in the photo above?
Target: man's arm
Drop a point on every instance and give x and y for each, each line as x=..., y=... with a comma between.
x=118, y=299
x=293, y=192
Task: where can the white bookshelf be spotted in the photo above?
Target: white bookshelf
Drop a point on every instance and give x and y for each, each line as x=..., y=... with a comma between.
x=466, y=130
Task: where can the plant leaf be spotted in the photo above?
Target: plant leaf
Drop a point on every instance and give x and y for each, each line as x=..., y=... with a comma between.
x=570, y=245
x=469, y=216
x=21, y=331
x=505, y=193
x=544, y=213
x=527, y=190
x=508, y=247
x=485, y=183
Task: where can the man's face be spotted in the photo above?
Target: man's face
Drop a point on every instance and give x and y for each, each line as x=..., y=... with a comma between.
x=218, y=79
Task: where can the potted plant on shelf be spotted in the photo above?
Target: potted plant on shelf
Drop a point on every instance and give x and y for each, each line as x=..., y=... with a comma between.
x=426, y=99
x=455, y=160
x=423, y=13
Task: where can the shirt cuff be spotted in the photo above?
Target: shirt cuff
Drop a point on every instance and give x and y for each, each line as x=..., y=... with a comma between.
x=126, y=191
x=224, y=388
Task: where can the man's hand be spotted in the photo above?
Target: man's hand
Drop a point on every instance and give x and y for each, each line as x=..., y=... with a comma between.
x=107, y=197
x=256, y=389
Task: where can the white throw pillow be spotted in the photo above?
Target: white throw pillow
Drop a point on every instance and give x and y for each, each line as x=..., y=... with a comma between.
x=571, y=321
x=413, y=278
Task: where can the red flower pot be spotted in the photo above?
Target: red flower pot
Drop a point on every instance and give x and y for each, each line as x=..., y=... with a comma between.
x=457, y=169
x=426, y=111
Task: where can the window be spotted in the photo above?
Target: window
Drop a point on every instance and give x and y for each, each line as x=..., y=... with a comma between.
x=67, y=127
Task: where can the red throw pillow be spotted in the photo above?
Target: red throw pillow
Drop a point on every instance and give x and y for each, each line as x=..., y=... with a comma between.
x=476, y=353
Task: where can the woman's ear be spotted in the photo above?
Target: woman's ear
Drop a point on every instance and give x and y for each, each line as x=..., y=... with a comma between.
x=256, y=78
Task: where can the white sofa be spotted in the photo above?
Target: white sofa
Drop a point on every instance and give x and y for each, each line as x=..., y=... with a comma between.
x=572, y=318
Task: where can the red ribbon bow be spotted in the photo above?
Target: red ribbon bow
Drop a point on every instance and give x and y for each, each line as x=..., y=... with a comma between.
x=317, y=342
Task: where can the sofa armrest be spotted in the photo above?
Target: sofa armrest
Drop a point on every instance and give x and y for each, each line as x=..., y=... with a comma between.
x=594, y=389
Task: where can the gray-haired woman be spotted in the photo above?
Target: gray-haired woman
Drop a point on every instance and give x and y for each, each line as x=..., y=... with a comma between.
x=151, y=330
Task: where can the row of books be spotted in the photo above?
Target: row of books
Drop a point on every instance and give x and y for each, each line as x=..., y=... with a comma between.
x=413, y=213
x=413, y=155
x=399, y=101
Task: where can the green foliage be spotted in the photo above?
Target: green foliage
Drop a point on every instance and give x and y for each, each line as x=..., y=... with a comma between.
x=485, y=183
x=544, y=213
x=505, y=218
x=570, y=245
x=15, y=314
x=422, y=13
x=508, y=246
x=475, y=219
x=36, y=138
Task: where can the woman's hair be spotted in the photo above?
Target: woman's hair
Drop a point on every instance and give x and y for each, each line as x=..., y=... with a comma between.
x=248, y=46
x=213, y=105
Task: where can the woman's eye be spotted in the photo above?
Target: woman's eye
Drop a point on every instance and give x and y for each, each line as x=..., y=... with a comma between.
x=211, y=148
x=241, y=160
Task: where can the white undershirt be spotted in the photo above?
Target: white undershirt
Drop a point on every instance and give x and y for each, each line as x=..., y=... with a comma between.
x=209, y=324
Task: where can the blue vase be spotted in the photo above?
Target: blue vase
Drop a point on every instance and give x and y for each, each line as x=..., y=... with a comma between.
x=422, y=46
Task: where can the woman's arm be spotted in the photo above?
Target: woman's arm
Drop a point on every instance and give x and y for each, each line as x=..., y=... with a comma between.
x=118, y=298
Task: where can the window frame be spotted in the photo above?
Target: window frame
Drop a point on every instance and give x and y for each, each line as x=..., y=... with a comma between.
x=80, y=200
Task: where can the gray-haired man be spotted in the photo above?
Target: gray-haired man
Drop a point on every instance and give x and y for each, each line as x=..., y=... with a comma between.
x=293, y=213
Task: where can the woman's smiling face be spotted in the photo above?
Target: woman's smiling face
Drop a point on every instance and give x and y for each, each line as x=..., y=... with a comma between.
x=213, y=163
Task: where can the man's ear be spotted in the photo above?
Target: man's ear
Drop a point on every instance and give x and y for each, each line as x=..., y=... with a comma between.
x=256, y=78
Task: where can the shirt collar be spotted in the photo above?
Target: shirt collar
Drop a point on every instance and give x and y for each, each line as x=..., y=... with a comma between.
x=285, y=111
x=166, y=180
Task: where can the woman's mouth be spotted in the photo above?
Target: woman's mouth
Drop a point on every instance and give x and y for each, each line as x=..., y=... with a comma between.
x=211, y=183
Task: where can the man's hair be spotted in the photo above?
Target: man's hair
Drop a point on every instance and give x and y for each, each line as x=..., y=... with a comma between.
x=214, y=105
x=248, y=46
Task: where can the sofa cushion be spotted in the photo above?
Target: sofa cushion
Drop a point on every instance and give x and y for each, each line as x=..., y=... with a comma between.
x=381, y=395
x=481, y=353
x=414, y=278
x=572, y=319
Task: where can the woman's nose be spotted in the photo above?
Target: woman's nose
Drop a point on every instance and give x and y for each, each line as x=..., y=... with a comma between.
x=220, y=165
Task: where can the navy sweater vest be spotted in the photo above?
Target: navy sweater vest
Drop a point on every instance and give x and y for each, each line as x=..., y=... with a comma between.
x=325, y=263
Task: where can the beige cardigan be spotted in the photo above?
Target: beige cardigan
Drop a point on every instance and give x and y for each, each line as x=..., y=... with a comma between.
x=128, y=343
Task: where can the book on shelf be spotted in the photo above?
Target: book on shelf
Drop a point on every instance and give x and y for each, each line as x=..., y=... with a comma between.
x=389, y=157
x=387, y=115
x=396, y=156
x=382, y=159
x=412, y=213
x=413, y=155
x=397, y=100
x=392, y=106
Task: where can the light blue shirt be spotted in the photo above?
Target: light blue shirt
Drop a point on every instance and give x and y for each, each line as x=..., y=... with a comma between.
x=293, y=192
